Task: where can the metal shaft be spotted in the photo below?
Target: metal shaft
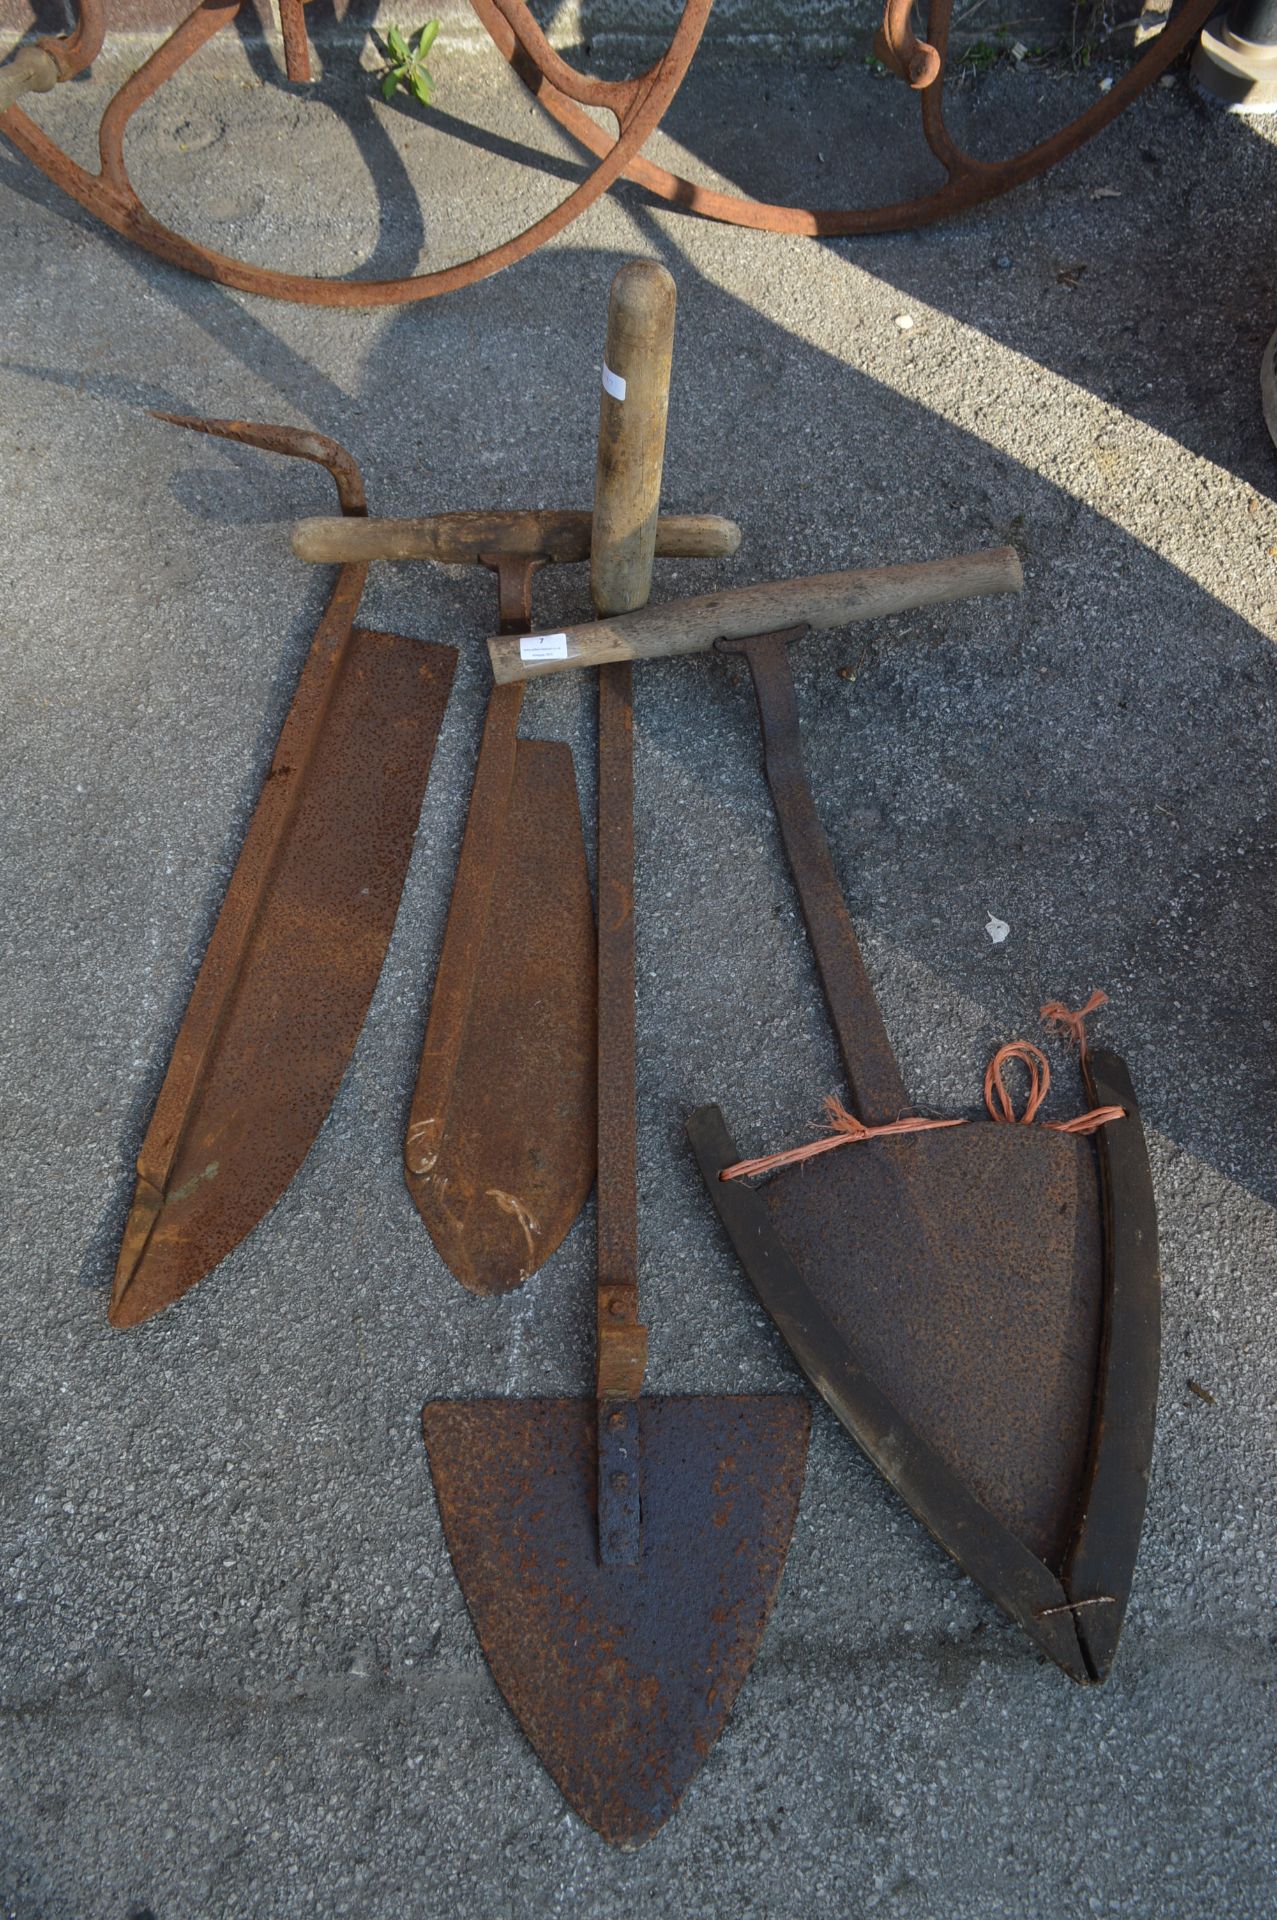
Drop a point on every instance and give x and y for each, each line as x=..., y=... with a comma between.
x=877, y=1090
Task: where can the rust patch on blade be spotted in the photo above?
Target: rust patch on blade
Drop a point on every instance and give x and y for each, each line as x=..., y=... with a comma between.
x=622, y=1677
x=294, y=958
x=500, y=1149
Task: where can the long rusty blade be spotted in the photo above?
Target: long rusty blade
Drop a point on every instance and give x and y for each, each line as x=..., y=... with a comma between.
x=622, y=1676
x=293, y=959
x=300, y=937
x=499, y=1152
x=981, y=1323
x=299, y=942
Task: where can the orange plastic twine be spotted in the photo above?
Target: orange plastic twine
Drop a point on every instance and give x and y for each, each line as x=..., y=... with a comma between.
x=1070, y=1025
x=998, y=1100
x=845, y=1129
x=996, y=1097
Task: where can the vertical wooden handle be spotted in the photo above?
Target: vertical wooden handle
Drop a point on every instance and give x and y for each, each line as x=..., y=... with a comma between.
x=633, y=408
x=632, y=414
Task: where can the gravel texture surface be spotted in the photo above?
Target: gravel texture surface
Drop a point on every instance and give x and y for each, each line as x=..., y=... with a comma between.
x=238, y=1675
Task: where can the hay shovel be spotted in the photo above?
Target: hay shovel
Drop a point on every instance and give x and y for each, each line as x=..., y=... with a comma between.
x=979, y=1305
x=619, y=1556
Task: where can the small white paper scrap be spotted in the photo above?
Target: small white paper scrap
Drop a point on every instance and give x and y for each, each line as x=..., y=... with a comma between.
x=996, y=929
x=613, y=383
x=544, y=646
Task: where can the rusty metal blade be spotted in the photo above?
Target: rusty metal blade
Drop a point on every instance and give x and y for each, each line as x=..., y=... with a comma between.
x=976, y=1309
x=294, y=957
x=500, y=1148
x=943, y=1371
x=622, y=1677
x=978, y=1306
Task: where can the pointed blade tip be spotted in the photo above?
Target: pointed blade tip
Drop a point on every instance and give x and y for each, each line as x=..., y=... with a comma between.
x=176, y=419
x=124, y=1311
x=130, y=1305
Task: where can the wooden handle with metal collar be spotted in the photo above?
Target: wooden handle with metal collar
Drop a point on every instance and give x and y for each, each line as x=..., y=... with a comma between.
x=459, y=539
x=738, y=613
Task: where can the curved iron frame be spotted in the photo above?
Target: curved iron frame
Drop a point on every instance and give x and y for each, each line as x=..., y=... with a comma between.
x=637, y=105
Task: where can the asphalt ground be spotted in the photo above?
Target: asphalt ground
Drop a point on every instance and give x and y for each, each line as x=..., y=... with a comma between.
x=238, y=1675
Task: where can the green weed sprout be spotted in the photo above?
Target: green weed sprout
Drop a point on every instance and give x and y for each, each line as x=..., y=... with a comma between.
x=406, y=66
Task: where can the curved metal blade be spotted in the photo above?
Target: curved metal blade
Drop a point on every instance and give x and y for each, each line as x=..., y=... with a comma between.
x=1101, y=1561
x=971, y=1362
x=294, y=957
x=499, y=1153
x=622, y=1677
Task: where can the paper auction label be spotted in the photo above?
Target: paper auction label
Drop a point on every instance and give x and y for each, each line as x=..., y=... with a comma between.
x=544, y=646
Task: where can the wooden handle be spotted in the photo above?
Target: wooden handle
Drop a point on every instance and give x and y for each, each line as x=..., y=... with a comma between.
x=821, y=600
x=31, y=70
x=632, y=411
x=633, y=405
x=458, y=539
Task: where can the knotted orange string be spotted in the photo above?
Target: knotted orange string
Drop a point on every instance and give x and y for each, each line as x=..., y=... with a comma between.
x=845, y=1128
x=996, y=1097
x=1071, y=1025
x=998, y=1100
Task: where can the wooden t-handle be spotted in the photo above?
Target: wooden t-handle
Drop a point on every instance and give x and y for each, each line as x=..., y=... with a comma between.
x=460, y=539
x=740, y=613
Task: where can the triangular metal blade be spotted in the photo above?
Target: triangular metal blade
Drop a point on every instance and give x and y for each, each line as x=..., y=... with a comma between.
x=294, y=958
x=500, y=1148
x=621, y=1677
x=965, y=1364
